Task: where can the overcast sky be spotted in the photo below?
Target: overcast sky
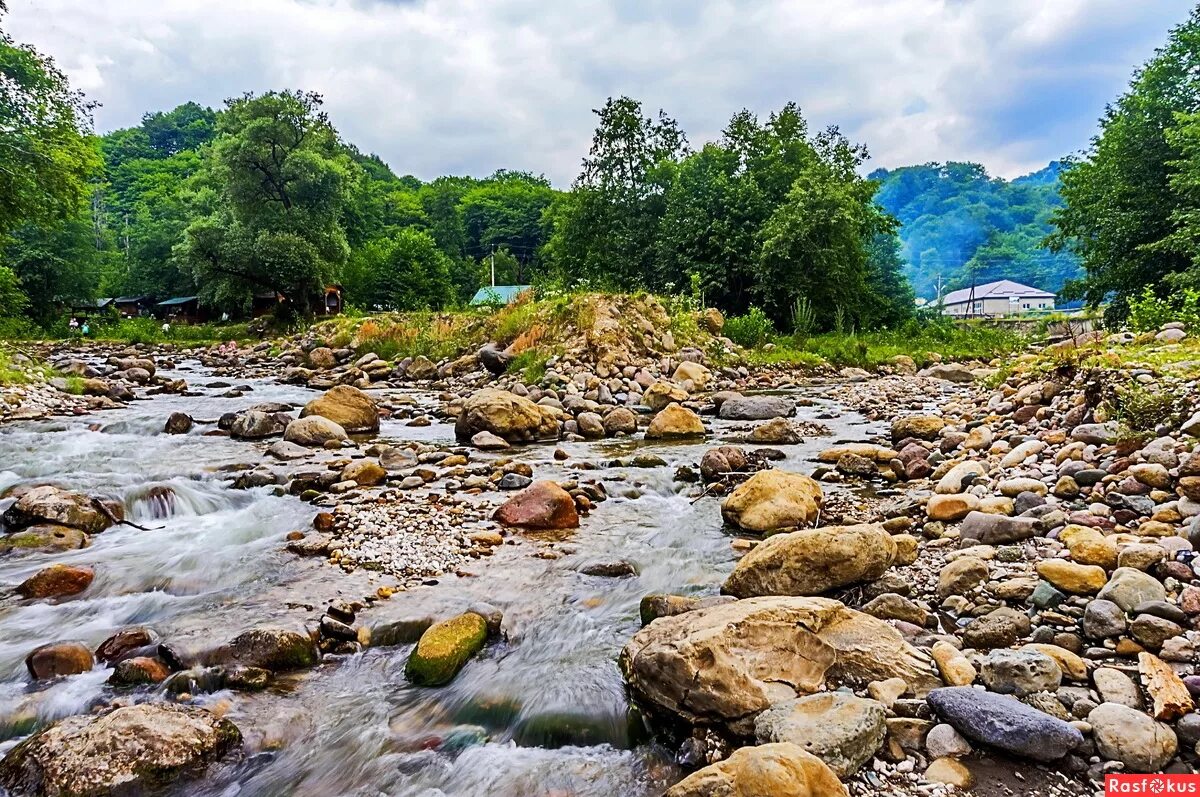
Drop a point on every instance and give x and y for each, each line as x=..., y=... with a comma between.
x=469, y=86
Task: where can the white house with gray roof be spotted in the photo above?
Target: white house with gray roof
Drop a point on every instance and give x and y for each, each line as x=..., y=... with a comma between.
x=996, y=299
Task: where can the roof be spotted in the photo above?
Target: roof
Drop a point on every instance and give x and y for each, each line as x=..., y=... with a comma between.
x=1003, y=289
x=130, y=299
x=498, y=294
x=177, y=300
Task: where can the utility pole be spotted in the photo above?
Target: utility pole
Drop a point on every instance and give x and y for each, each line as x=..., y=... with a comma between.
x=493, y=267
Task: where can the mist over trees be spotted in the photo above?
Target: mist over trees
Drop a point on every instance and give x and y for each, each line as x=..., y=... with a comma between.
x=959, y=225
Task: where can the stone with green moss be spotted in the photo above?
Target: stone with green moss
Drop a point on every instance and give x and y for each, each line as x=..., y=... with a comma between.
x=445, y=648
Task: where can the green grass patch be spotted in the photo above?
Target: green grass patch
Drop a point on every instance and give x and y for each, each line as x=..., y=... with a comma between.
x=919, y=339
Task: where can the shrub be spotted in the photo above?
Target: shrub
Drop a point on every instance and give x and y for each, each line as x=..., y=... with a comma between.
x=1141, y=411
x=749, y=330
x=1149, y=312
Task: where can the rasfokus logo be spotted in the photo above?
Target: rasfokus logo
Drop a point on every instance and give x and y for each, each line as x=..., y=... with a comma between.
x=1151, y=784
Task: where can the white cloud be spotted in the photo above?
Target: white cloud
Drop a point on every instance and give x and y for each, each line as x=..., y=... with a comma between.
x=454, y=86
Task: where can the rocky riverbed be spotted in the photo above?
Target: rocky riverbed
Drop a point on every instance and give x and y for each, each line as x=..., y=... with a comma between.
x=298, y=569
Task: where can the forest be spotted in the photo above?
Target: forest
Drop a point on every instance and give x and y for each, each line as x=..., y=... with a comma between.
x=264, y=196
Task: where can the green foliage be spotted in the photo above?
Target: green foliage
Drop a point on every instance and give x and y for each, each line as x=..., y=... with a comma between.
x=47, y=156
x=804, y=317
x=918, y=338
x=607, y=228
x=404, y=272
x=530, y=364
x=1131, y=199
x=1148, y=312
x=282, y=183
x=749, y=330
x=1140, y=411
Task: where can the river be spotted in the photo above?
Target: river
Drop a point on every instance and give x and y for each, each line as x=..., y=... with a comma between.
x=540, y=713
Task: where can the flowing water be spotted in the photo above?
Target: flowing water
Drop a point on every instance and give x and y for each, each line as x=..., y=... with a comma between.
x=542, y=712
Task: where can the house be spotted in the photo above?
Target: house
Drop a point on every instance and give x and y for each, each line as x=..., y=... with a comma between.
x=330, y=302
x=185, y=309
x=498, y=294
x=91, y=308
x=132, y=306
x=995, y=299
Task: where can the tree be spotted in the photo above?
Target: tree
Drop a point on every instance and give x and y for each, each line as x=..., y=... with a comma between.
x=281, y=182
x=1126, y=198
x=406, y=271
x=815, y=246
x=46, y=155
x=607, y=231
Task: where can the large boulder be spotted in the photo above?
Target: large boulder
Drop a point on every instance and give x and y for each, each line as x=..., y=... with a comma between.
x=1005, y=723
x=813, y=561
x=756, y=408
x=130, y=750
x=922, y=427
x=444, y=648
x=724, y=664
x=768, y=770
x=58, y=659
x=842, y=730
x=506, y=415
x=773, y=500
x=48, y=505
x=541, y=505
x=348, y=407
x=313, y=431
x=675, y=421
x=1131, y=737
x=56, y=581
x=661, y=393
x=276, y=649
x=257, y=424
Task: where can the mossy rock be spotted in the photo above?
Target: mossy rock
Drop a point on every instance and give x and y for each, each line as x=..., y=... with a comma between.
x=445, y=648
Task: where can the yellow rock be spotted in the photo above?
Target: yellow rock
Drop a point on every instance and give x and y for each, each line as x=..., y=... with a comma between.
x=1071, y=577
x=906, y=549
x=956, y=669
x=954, y=506
x=779, y=770
x=948, y=770
x=675, y=421
x=1072, y=665
x=772, y=500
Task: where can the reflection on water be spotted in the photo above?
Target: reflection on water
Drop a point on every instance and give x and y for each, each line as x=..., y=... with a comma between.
x=541, y=712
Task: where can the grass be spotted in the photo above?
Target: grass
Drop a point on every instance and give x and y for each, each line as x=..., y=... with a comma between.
x=919, y=339
x=127, y=330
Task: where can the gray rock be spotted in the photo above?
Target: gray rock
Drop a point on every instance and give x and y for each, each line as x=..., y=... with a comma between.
x=1020, y=672
x=1131, y=737
x=1004, y=723
x=131, y=750
x=842, y=730
x=1103, y=619
x=1096, y=433
x=756, y=408
x=990, y=529
x=942, y=740
x=1128, y=587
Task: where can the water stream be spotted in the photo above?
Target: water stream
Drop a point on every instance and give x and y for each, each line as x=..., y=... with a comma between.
x=541, y=713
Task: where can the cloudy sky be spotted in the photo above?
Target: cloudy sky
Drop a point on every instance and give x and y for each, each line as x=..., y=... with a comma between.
x=469, y=86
